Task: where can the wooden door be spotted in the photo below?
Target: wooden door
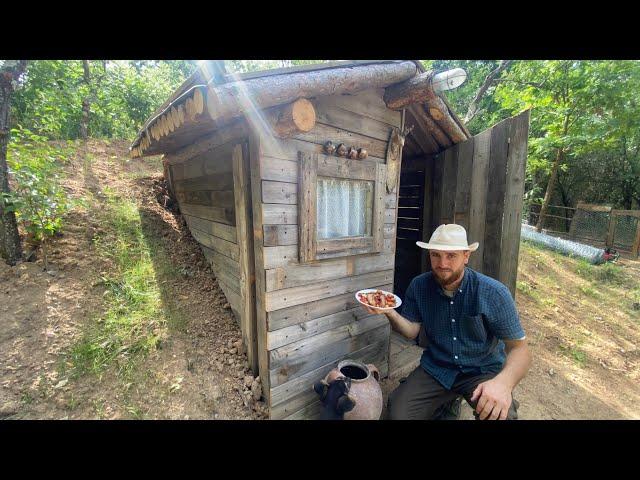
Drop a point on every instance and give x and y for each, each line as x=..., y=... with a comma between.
x=479, y=184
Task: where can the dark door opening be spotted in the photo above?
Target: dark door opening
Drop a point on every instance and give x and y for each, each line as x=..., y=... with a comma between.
x=410, y=225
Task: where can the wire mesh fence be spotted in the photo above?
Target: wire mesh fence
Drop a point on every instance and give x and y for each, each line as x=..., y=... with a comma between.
x=625, y=232
x=596, y=225
x=590, y=225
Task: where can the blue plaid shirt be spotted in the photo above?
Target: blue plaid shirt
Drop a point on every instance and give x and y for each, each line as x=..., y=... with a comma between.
x=464, y=332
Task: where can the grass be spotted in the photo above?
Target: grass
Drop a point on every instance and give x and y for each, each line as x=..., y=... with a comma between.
x=608, y=273
x=26, y=398
x=576, y=354
x=589, y=291
x=133, y=323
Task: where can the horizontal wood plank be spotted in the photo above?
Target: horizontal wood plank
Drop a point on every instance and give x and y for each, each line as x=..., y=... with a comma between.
x=294, y=333
x=231, y=295
x=215, y=161
x=301, y=357
x=308, y=311
x=321, y=133
x=308, y=293
x=298, y=275
x=369, y=103
x=229, y=264
x=288, y=149
x=338, y=117
x=390, y=200
x=344, y=244
x=219, y=198
x=275, y=235
x=390, y=215
x=279, y=214
x=219, y=245
x=280, y=256
x=236, y=131
x=279, y=192
x=220, y=230
x=222, y=181
x=229, y=278
x=224, y=215
x=345, y=168
x=389, y=230
x=276, y=169
x=310, y=412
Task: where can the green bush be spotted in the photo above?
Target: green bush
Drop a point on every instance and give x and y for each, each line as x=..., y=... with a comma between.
x=37, y=198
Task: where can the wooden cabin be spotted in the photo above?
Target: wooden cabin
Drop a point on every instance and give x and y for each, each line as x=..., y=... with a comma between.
x=292, y=229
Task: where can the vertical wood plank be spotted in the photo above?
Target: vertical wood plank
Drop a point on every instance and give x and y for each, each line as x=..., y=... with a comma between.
x=307, y=201
x=436, y=215
x=513, y=199
x=427, y=211
x=242, y=199
x=478, y=200
x=378, y=207
x=255, y=152
x=449, y=181
x=495, y=200
x=463, y=187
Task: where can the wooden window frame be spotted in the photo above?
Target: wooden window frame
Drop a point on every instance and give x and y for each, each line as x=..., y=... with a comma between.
x=314, y=165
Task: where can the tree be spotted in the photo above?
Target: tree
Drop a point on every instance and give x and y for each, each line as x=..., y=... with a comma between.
x=86, y=102
x=491, y=80
x=10, y=247
x=585, y=130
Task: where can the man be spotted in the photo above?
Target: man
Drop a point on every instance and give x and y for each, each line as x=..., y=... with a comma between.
x=465, y=321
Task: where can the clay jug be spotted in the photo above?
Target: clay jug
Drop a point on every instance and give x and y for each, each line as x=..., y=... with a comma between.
x=364, y=389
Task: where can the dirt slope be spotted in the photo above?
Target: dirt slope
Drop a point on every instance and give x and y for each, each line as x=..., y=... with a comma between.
x=197, y=373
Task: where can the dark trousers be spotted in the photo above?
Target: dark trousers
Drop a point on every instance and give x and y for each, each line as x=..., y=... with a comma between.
x=421, y=395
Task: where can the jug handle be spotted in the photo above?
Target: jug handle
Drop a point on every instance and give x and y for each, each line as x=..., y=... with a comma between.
x=374, y=371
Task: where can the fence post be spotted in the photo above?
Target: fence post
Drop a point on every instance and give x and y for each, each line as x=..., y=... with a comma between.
x=572, y=225
x=636, y=245
x=612, y=228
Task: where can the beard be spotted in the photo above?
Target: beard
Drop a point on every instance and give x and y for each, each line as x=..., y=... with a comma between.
x=449, y=277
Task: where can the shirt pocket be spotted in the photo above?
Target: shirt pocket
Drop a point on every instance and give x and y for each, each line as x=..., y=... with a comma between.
x=474, y=328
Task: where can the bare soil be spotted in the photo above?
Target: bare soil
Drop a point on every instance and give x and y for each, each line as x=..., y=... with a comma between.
x=584, y=334
x=200, y=371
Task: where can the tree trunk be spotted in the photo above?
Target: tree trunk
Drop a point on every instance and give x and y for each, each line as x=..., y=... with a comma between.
x=554, y=171
x=490, y=80
x=550, y=188
x=420, y=90
x=228, y=101
x=86, y=102
x=10, y=247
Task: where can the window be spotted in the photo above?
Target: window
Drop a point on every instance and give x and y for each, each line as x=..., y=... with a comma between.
x=344, y=208
x=341, y=206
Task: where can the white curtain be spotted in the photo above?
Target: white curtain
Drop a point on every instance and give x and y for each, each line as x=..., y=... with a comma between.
x=342, y=208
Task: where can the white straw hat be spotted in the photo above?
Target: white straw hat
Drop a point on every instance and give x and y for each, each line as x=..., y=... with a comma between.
x=449, y=237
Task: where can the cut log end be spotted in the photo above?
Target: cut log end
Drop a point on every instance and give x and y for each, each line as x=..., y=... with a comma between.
x=296, y=117
x=436, y=114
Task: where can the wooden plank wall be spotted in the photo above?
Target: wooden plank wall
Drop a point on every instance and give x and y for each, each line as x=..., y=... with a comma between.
x=202, y=177
x=311, y=319
x=479, y=184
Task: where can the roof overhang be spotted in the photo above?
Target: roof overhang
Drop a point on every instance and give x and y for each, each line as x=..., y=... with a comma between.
x=208, y=100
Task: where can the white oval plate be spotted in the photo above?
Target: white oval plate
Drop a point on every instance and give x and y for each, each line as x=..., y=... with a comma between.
x=370, y=290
